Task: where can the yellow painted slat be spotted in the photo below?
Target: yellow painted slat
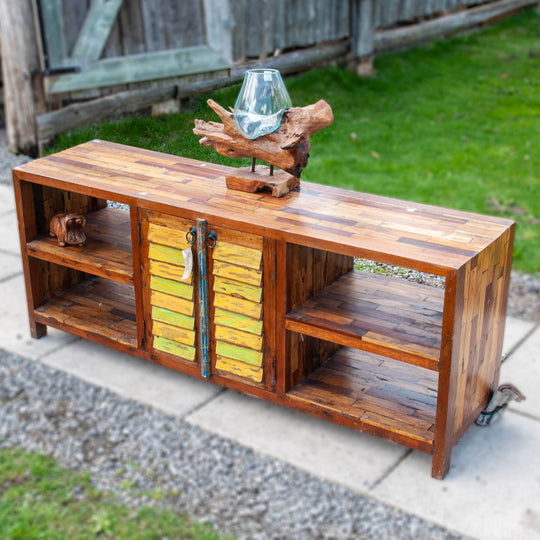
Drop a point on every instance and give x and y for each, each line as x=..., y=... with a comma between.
x=236, y=337
x=234, y=352
x=171, y=317
x=237, y=255
x=173, y=303
x=235, y=288
x=169, y=271
x=176, y=288
x=166, y=254
x=236, y=320
x=174, y=333
x=239, y=368
x=177, y=349
x=238, y=273
x=238, y=305
x=167, y=236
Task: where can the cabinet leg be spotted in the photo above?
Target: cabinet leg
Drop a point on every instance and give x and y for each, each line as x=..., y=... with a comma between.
x=37, y=330
x=440, y=464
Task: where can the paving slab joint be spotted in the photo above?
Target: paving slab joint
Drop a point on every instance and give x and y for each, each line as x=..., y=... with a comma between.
x=390, y=470
x=10, y=276
x=521, y=342
x=203, y=404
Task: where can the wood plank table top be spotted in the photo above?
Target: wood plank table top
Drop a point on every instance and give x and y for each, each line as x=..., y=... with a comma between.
x=413, y=235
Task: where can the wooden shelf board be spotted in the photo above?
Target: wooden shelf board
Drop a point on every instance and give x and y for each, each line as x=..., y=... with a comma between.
x=384, y=396
x=95, y=306
x=376, y=313
x=106, y=254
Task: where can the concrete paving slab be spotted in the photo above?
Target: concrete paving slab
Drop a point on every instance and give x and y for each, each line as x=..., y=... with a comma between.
x=514, y=331
x=7, y=199
x=492, y=491
x=326, y=450
x=15, y=335
x=522, y=369
x=10, y=265
x=132, y=377
x=10, y=234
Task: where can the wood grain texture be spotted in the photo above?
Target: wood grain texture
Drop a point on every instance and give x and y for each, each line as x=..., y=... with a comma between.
x=412, y=235
x=377, y=313
x=480, y=329
x=309, y=271
x=107, y=252
x=237, y=306
x=289, y=320
x=172, y=300
x=96, y=306
x=384, y=396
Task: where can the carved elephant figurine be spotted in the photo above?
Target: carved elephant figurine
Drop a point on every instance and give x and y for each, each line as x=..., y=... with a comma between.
x=68, y=229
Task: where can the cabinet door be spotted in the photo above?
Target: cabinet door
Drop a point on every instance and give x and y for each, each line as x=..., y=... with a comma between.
x=216, y=320
x=237, y=309
x=169, y=293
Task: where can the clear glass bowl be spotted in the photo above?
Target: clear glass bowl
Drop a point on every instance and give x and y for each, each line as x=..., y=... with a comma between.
x=261, y=102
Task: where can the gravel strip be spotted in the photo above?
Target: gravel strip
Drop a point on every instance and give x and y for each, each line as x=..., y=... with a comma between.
x=145, y=456
x=7, y=159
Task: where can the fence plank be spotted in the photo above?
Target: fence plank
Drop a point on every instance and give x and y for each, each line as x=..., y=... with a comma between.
x=218, y=29
x=436, y=28
x=139, y=68
x=96, y=29
x=53, y=32
x=363, y=28
x=19, y=59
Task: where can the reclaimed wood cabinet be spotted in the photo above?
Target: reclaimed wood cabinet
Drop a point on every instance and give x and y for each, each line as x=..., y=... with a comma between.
x=261, y=294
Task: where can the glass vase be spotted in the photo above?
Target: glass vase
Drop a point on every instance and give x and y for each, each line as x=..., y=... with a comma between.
x=261, y=102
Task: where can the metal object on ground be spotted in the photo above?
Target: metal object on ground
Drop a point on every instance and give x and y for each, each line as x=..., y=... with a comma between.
x=500, y=399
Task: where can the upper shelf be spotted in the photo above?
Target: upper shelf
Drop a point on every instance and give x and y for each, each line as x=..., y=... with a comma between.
x=385, y=315
x=107, y=252
x=412, y=235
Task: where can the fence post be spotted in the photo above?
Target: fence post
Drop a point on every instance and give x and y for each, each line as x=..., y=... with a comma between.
x=19, y=63
x=363, y=31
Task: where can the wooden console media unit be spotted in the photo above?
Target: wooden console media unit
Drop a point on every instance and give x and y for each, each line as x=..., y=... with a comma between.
x=274, y=307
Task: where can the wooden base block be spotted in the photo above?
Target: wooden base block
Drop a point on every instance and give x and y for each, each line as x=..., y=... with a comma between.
x=244, y=179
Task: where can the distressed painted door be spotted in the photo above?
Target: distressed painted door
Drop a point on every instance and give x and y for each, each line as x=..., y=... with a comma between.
x=218, y=319
x=169, y=292
x=237, y=276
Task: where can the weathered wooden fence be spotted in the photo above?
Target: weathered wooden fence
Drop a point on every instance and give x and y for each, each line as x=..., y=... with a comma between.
x=85, y=60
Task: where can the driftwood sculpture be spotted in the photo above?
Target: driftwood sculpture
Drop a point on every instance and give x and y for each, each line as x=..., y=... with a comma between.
x=286, y=148
x=68, y=229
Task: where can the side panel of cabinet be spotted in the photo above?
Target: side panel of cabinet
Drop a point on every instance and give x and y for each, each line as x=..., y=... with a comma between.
x=169, y=296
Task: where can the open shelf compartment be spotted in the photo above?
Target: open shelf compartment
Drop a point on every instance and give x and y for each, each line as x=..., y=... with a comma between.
x=378, y=395
x=107, y=252
x=96, y=306
x=380, y=314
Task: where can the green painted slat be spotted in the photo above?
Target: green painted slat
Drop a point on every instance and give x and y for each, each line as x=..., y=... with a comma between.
x=96, y=29
x=139, y=68
x=235, y=320
x=235, y=288
x=172, y=347
x=169, y=286
x=248, y=356
x=166, y=254
x=54, y=35
x=171, y=317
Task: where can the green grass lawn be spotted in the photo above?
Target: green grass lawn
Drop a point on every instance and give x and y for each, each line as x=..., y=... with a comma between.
x=454, y=123
x=39, y=499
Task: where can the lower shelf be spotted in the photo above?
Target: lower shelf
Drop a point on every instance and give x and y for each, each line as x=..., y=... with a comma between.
x=95, y=306
x=382, y=396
